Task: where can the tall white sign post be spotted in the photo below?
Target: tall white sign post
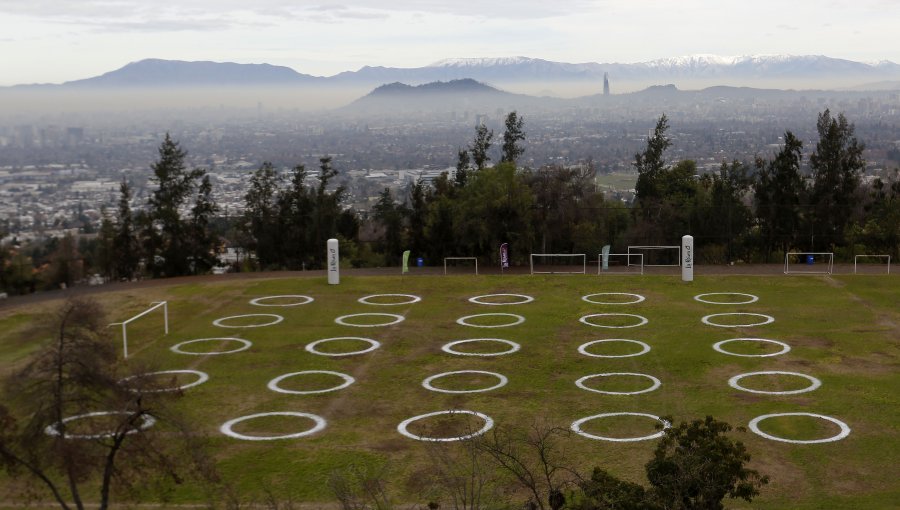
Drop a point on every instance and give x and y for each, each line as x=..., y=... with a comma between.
x=334, y=262
x=687, y=258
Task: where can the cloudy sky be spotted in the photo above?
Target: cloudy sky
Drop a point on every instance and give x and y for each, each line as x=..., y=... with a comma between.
x=59, y=40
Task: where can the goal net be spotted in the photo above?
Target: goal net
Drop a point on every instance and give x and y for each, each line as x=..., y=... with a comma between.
x=145, y=328
x=658, y=256
x=872, y=264
x=621, y=263
x=809, y=263
x=460, y=265
x=558, y=263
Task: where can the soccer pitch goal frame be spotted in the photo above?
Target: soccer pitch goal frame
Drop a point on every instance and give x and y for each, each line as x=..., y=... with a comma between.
x=124, y=324
x=628, y=262
x=461, y=258
x=678, y=258
x=583, y=262
x=888, y=257
x=787, y=262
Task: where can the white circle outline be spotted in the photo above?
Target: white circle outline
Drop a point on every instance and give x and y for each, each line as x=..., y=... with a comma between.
x=448, y=347
x=583, y=348
x=462, y=320
x=226, y=427
x=147, y=421
x=365, y=299
x=488, y=424
x=397, y=320
x=584, y=320
x=177, y=347
x=273, y=384
x=277, y=319
x=769, y=319
x=478, y=299
x=257, y=301
x=202, y=377
x=845, y=429
x=734, y=382
x=785, y=347
x=576, y=427
x=428, y=386
x=656, y=383
x=753, y=298
x=373, y=344
x=638, y=296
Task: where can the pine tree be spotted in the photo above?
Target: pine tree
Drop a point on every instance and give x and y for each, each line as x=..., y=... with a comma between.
x=125, y=241
x=778, y=189
x=480, y=146
x=203, y=242
x=511, y=137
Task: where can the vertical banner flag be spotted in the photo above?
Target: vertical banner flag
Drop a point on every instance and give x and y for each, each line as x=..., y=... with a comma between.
x=405, y=262
x=687, y=258
x=504, y=256
x=605, y=255
x=334, y=264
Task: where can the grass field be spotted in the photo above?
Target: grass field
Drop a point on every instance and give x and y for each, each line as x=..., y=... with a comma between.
x=842, y=330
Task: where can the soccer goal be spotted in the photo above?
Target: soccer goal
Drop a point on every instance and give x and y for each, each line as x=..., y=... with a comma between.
x=558, y=263
x=464, y=263
x=809, y=262
x=156, y=305
x=658, y=256
x=880, y=260
x=621, y=263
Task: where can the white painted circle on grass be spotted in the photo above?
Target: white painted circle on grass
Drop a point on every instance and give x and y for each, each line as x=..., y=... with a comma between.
x=202, y=377
x=576, y=427
x=513, y=347
x=147, y=421
x=302, y=300
x=637, y=298
x=845, y=429
x=767, y=319
x=784, y=347
x=245, y=345
x=517, y=319
x=275, y=320
x=488, y=424
x=581, y=383
x=412, y=299
x=273, y=384
x=480, y=299
x=311, y=347
x=814, y=383
x=583, y=348
x=396, y=319
x=702, y=298
x=427, y=382
x=226, y=427
x=641, y=320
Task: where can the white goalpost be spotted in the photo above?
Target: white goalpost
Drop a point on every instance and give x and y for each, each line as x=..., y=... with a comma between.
x=639, y=257
x=568, y=263
x=857, y=257
x=795, y=260
x=474, y=259
x=124, y=324
x=656, y=249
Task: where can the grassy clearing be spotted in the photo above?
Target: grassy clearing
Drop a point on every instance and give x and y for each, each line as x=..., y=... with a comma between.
x=842, y=330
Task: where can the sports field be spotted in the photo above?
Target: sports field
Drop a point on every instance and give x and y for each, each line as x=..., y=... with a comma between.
x=841, y=331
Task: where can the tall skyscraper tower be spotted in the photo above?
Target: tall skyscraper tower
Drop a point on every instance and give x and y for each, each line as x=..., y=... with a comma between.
x=605, y=84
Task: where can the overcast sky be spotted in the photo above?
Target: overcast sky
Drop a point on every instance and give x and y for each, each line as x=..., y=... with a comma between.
x=59, y=40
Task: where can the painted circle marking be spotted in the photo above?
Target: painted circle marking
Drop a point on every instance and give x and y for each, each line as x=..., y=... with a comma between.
x=576, y=427
x=583, y=348
x=397, y=319
x=227, y=427
x=845, y=429
x=784, y=347
x=273, y=384
x=311, y=347
x=479, y=299
x=513, y=347
x=767, y=319
x=814, y=383
x=275, y=320
x=147, y=421
x=402, y=427
x=412, y=299
x=259, y=301
x=642, y=320
x=638, y=298
x=427, y=382
x=517, y=319
x=245, y=345
x=701, y=298
x=581, y=383
x=202, y=377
